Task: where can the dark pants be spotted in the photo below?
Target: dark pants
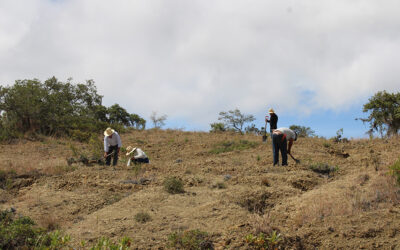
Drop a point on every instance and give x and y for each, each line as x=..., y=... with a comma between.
x=114, y=155
x=140, y=160
x=279, y=142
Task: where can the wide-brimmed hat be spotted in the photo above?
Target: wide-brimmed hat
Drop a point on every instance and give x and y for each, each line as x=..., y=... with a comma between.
x=271, y=110
x=109, y=131
x=130, y=150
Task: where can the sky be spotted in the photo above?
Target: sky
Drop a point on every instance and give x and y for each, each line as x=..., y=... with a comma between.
x=314, y=62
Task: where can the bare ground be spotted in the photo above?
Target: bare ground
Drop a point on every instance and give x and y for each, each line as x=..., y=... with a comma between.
x=227, y=195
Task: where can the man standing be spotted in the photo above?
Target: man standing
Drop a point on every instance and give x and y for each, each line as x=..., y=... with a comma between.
x=273, y=120
x=280, y=137
x=112, y=144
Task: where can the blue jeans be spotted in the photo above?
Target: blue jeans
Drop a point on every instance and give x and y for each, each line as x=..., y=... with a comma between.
x=279, y=144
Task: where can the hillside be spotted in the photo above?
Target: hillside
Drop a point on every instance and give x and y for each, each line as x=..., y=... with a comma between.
x=227, y=194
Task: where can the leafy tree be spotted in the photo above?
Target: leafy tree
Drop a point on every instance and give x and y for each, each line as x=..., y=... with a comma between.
x=235, y=119
x=158, y=121
x=302, y=131
x=58, y=108
x=118, y=115
x=137, y=121
x=384, y=114
x=217, y=127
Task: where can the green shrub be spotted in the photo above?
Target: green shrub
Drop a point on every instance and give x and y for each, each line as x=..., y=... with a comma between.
x=228, y=146
x=326, y=144
x=17, y=232
x=395, y=170
x=173, y=185
x=263, y=241
x=106, y=243
x=323, y=168
x=192, y=239
x=142, y=217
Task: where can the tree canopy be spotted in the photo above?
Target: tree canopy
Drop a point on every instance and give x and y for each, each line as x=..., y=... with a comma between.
x=302, y=131
x=384, y=113
x=235, y=120
x=58, y=108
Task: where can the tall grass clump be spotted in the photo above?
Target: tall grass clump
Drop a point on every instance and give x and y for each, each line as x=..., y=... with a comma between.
x=191, y=239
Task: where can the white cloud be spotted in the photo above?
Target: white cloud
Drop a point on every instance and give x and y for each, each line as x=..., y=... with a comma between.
x=192, y=59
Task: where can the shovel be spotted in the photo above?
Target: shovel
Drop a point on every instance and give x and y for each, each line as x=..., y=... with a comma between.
x=296, y=160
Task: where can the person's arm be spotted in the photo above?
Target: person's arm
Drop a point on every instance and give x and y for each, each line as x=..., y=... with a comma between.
x=105, y=146
x=290, y=145
x=139, y=154
x=119, y=143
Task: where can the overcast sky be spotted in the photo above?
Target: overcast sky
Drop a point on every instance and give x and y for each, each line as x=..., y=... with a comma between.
x=315, y=62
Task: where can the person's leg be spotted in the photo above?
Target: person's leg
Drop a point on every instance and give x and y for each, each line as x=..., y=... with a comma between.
x=108, y=158
x=284, y=152
x=143, y=160
x=115, y=157
x=275, y=151
x=272, y=143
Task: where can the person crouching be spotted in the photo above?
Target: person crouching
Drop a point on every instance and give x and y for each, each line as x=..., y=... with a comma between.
x=136, y=155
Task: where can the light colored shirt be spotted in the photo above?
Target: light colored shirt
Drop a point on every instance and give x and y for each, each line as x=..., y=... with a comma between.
x=137, y=154
x=288, y=132
x=113, y=141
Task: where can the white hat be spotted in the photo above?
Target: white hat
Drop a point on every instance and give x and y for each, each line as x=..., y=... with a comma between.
x=271, y=110
x=130, y=150
x=109, y=131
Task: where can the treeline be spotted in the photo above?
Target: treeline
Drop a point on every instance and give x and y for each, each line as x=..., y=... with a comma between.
x=55, y=108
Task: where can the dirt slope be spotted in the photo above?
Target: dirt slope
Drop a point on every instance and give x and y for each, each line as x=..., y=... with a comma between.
x=228, y=195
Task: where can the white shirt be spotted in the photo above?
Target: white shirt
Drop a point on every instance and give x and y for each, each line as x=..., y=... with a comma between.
x=113, y=141
x=288, y=132
x=139, y=154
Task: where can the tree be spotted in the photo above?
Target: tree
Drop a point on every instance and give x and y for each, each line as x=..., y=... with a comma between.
x=217, y=127
x=235, y=119
x=58, y=108
x=302, y=131
x=118, y=115
x=137, y=121
x=384, y=116
x=158, y=121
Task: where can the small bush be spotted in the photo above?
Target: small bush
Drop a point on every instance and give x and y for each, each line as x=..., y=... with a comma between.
x=106, y=243
x=323, y=168
x=192, y=239
x=219, y=185
x=173, y=185
x=142, y=217
x=228, y=146
x=326, y=144
x=395, y=171
x=262, y=241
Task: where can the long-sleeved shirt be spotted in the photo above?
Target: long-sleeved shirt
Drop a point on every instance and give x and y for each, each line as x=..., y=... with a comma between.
x=113, y=141
x=273, y=121
x=137, y=154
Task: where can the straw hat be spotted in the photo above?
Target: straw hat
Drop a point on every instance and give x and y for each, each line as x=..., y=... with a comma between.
x=271, y=110
x=130, y=150
x=109, y=131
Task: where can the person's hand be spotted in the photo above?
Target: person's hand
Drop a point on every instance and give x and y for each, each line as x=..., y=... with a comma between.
x=105, y=155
